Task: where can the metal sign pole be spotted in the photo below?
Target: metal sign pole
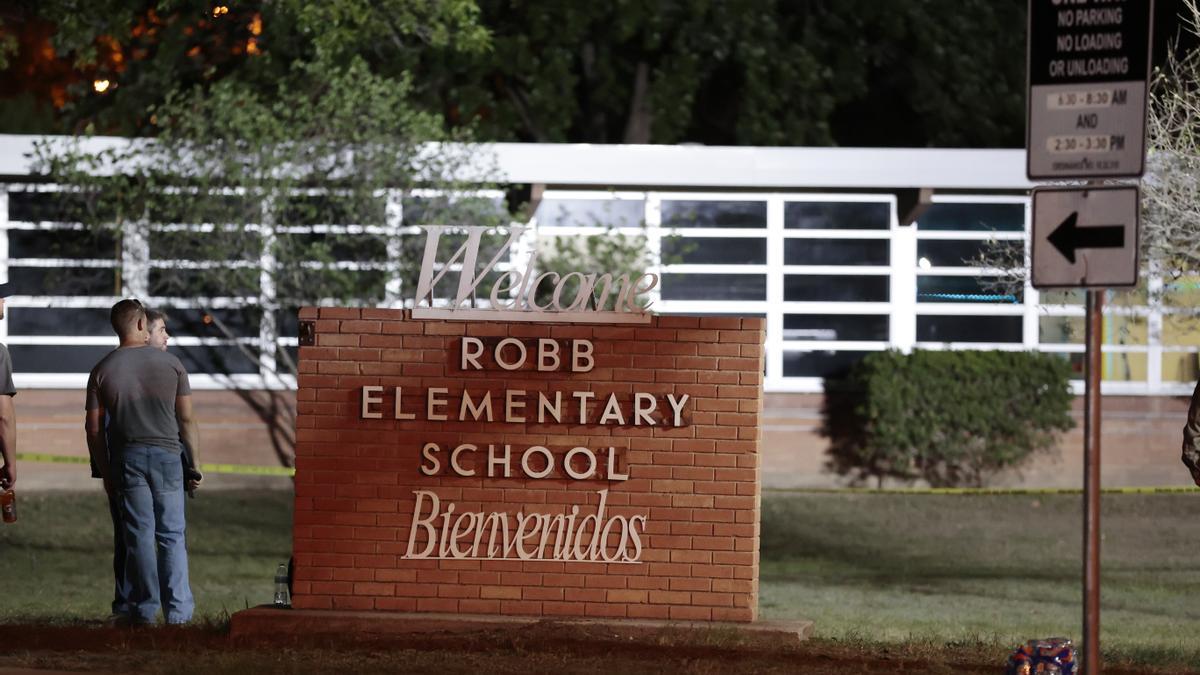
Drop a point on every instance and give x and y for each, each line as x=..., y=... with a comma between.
x=1091, y=486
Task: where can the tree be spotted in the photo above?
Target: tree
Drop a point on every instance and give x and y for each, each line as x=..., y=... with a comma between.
x=1171, y=193
x=280, y=186
x=285, y=190
x=948, y=418
x=720, y=72
x=746, y=72
x=142, y=52
x=613, y=251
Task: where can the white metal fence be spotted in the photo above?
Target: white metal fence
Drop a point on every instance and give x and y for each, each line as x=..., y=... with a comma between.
x=830, y=268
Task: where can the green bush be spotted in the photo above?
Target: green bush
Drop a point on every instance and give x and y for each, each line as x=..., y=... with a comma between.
x=951, y=418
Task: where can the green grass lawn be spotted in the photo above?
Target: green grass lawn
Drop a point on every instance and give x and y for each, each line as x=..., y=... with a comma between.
x=904, y=569
x=56, y=561
x=999, y=569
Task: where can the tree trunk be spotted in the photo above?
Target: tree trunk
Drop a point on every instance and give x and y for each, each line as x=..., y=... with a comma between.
x=595, y=129
x=637, y=126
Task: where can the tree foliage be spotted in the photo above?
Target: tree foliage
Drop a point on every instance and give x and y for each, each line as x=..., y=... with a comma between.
x=950, y=418
x=612, y=252
x=720, y=72
x=326, y=147
x=1171, y=193
x=146, y=51
x=284, y=190
x=742, y=72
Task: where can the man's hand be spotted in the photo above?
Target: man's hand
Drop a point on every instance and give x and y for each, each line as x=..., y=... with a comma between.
x=8, y=475
x=193, y=479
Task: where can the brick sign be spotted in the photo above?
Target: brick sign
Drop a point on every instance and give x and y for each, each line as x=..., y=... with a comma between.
x=533, y=469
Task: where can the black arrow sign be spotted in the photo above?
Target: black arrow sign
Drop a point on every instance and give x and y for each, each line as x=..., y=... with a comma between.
x=1068, y=238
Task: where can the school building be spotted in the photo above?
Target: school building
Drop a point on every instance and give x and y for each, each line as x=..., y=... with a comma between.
x=814, y=240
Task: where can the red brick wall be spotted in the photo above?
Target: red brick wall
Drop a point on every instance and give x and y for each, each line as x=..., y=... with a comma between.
x=696, y=485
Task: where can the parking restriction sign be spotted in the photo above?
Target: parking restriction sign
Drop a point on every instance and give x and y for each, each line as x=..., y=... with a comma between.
x=1089, y=62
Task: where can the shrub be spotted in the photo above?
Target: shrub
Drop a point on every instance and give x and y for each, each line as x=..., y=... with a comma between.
x=951, y=418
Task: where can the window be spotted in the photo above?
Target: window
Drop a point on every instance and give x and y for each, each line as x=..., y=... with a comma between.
x=1073, y=296
x=962, y=289
x=1183, y=292
x=1123, y=367
x=333, y=246
x=714, y=287
x=1118, y=330
x=204, y=283
x=1181, y=330
x=42, y=206
x=821, y=363
x=287, y=322
x=835, y=288
x=836, y=252
x=937, y=328
x=714, y=214
x=215, y=359
x=85, y=281
x=836, y=327
x=714, y=250
x=973, y=217
x=211, y=208
x=1180, y=366
x=950, y=252
x=61, y=243
x=58, y=358
x=837, y=215
x=329, y=210
x=459, y=211
x=240, y=322
x=1060, y=330
x=59, y=321
x=1114, y=367
x=590, y=213
x=197, y=245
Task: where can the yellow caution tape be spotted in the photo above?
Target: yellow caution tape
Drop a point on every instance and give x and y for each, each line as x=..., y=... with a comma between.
x=986, y=491
x=248, y=470
x=241, y=469
x=251, y=470
x=56, y=459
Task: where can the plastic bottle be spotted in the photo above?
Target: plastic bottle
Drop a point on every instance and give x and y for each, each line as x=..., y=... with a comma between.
x=282, y=597
x=8, y=505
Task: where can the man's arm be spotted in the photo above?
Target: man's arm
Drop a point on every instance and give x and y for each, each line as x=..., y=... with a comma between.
x=1191, y=437
x=97, y=441
x=189, y=431
x=8, y=441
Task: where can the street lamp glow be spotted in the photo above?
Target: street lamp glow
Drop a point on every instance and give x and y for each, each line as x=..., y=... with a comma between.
x=101, y=86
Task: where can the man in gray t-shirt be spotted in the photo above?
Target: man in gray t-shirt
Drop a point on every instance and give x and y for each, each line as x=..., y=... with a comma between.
x=147, y=399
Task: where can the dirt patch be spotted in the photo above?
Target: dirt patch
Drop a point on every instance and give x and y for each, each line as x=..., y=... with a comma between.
x=541, y=647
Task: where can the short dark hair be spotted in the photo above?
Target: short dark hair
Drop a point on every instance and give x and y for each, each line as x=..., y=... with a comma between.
x=125, y=314
x=153, y=315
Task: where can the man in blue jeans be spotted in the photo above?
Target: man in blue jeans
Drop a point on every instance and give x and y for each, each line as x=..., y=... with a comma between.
x=147, y=399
